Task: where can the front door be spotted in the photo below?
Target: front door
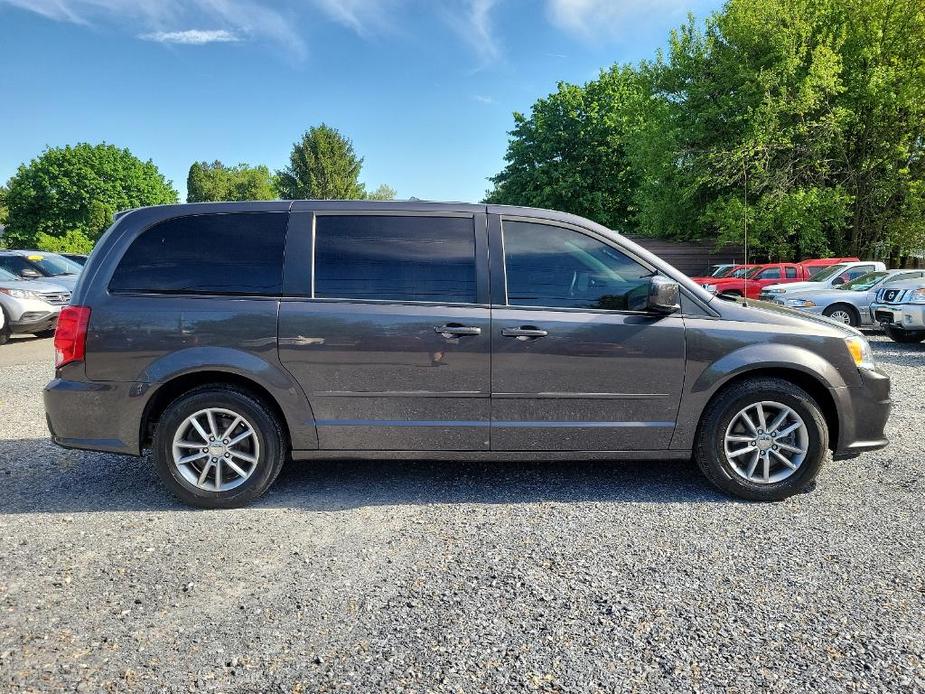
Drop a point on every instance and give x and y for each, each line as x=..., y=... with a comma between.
x=391, y=345
x=577, y=362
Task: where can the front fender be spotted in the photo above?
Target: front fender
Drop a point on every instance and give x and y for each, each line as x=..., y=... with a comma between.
x=717, y=356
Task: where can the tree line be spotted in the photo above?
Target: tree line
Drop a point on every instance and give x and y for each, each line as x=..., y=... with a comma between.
x=64, y=199
x=802, y=120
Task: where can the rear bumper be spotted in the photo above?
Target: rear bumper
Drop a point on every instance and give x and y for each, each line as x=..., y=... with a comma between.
x=95, y=416
x=863, y=413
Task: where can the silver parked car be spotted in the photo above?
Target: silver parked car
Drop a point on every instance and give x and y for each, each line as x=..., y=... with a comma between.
x=29, y=306
x=849, y=302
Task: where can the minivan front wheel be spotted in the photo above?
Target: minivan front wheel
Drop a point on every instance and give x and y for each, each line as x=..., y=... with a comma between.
x=763, y=440
x=218, y=447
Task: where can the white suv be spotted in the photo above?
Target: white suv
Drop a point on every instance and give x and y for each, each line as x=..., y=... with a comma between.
x=900, y=309
x=29, y=306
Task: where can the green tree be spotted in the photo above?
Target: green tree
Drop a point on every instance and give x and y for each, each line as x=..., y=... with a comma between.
x=813, y=110
x=322, y=166
x=71, y=242
x=4, y=210
x=214, y=182
x=571, y=152
x=79, y=189
x=383, y=192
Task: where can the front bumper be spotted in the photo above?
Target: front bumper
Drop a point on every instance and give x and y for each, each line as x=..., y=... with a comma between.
x=35, y=322
x=863, y=413
x=904, y=316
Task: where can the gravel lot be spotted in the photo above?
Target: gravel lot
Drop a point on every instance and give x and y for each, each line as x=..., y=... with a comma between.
x=364, y=577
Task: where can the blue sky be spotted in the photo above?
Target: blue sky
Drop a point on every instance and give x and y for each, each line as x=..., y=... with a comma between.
x=424, y=88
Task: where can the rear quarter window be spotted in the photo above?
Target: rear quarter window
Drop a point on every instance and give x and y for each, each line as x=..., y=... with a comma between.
x=238, y=253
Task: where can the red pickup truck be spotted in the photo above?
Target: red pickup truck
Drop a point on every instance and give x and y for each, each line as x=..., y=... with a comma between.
x=771, y=273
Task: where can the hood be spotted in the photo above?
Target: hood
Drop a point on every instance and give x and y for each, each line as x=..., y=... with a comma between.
x=789, y=287
x=753, y=311
x=68, y=282
x=721, y=281
x=40, y=286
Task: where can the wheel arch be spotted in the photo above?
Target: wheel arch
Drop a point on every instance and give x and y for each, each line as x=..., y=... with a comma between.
x=851, y=308
x=814, y=386
x=170, y=390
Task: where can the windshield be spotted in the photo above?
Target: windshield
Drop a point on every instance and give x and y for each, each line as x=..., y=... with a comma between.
x=828, y=273
x=53, y=265
x=864, y=282
x=738, y=271
x=7, y=276
x=751, y=272
x=722, y=270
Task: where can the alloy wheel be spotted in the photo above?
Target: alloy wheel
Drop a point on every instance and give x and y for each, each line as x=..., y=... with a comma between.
x=216, y=449
x=766, y=442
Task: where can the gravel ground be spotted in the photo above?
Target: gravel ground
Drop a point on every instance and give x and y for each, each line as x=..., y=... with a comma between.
x=365, y=577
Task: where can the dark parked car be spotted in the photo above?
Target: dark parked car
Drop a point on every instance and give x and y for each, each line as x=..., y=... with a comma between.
x=230, y=336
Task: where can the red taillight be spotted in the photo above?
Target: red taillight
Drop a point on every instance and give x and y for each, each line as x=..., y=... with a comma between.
x=71, y=335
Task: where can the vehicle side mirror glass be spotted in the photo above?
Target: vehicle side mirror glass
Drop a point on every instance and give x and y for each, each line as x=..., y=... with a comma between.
x=664, y=295
x=29, y=273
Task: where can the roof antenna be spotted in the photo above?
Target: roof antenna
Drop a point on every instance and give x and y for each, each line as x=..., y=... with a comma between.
x=745, y=227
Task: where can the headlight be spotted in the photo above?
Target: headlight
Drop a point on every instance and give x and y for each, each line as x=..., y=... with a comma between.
x=860, y=352
x=799, y=303
x=710, y=288
x=917, y=296
x=19, y=293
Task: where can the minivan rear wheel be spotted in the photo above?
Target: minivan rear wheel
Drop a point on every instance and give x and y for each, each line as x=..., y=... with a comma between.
x=762, y=440
x=218, y=447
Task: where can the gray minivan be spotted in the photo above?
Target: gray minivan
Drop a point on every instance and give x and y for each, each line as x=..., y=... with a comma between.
x=228, y=337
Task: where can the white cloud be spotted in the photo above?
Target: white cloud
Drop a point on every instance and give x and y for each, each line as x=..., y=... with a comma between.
x=167, y=20
x=591, y=18
x=161, y=18
x=482, y=99
x=472, y=22
x=191, y=37
x=363, y=16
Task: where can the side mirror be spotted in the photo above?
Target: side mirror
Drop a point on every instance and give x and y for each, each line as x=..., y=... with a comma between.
x=664, y=295
x=838, y=281
x=29, y=274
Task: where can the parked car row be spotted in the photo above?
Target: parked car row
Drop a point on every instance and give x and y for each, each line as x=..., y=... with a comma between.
x=34, y=285
x=862, y=294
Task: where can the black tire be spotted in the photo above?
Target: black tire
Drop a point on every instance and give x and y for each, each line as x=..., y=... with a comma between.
x=709, y=449
x=904, y=336
x=5, y=331
x=272, y=443
x=854, y=320
x=45, y=333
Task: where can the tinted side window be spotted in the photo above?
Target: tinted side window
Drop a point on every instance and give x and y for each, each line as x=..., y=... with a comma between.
x=239, y=253
x=791, y=272
x=770, y=274
x=855, y=272
x=395, y=258
x=552, y=266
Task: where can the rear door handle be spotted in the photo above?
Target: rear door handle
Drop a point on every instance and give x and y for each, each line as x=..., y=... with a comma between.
x=456, y=330
x=525, y=332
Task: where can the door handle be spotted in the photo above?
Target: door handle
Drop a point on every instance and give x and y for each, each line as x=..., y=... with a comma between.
x=456, y=330
x=525, y=332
